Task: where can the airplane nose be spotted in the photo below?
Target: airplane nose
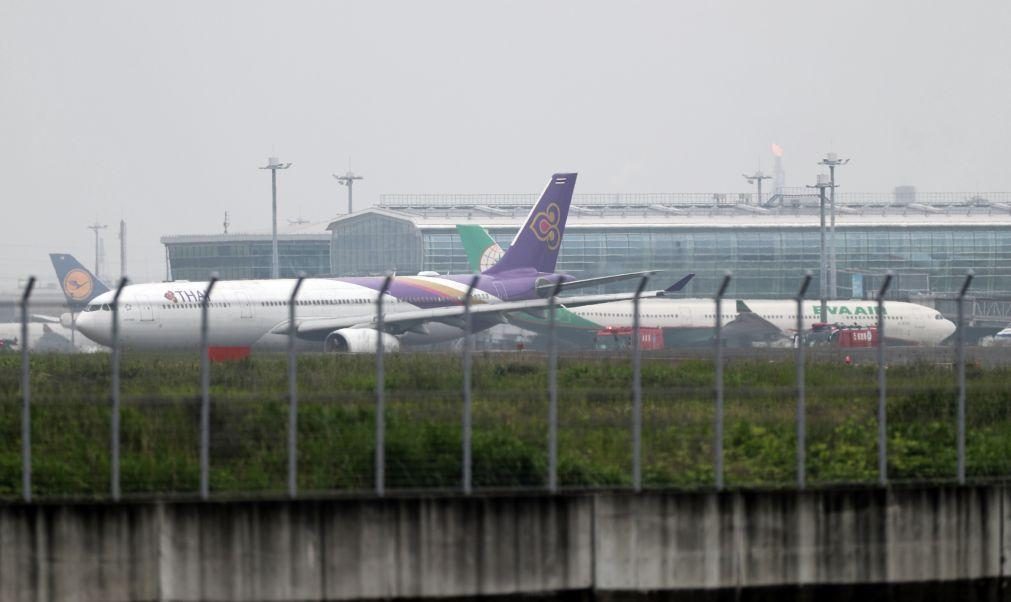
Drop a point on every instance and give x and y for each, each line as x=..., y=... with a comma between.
x=91, y=326
x=946, y=330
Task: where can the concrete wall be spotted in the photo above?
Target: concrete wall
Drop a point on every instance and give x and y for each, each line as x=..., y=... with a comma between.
x=499, y=545
x=665, y=542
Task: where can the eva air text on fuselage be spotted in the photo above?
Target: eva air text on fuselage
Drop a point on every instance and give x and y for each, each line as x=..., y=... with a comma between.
x=843, y=310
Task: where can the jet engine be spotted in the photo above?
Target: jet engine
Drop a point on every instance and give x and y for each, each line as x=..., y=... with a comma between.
x=359, y=340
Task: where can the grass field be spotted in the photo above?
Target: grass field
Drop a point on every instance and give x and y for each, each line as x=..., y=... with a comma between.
x=249, y=422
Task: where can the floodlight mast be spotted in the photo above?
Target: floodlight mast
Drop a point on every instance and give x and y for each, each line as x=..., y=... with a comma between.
x=832, y=160
x=348, y=180
x=823, y=183
x=95, y=227
x=273, y=164
x=757, y=178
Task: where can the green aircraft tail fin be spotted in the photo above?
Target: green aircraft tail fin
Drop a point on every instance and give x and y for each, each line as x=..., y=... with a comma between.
x=482, y=250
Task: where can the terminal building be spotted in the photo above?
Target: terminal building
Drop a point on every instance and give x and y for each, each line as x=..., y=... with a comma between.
x=929, y=240
x=245, y=256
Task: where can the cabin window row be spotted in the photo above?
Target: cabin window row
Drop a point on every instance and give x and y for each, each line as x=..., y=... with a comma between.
x=309, y=302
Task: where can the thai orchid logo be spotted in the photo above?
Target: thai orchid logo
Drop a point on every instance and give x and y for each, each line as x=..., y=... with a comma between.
x=171, y=296
x=545, y=226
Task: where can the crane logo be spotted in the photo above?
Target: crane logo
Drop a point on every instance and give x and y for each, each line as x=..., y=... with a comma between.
x=77, y=284
x=545, y=226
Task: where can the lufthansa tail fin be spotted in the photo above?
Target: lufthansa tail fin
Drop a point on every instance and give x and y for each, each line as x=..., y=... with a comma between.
x=78, y=283
x=536, y=244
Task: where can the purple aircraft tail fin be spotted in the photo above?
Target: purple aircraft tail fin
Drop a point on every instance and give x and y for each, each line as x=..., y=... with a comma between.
x=536, y=244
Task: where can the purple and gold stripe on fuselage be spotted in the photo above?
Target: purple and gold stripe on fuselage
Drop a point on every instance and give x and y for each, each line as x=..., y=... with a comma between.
x=421, y=291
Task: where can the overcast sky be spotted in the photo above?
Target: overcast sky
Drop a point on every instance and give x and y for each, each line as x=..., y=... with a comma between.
x=159, y=113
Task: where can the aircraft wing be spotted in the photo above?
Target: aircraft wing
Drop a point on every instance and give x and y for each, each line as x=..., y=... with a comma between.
x=45, y=319
x=750, y=326
x=572, y=284
x=402, y=321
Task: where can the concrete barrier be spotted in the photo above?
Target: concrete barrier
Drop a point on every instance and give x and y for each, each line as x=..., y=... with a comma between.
x=594, y=545
x=657, y=542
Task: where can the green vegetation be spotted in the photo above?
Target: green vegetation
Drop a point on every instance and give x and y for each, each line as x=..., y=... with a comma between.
x=249, y=423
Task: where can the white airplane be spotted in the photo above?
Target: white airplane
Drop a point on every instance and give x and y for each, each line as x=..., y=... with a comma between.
x=339, y=314
x=692, y=320
x=1000, y=339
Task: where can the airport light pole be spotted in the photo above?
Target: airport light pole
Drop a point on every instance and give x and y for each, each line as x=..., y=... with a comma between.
x=95, y=227
x=273, y=164
x=757, y=178
x=832, y=160
x=348, y=180
x=823, y=183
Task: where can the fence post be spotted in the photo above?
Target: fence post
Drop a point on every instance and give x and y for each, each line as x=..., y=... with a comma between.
x=960, y=343
x=718, y=443
x=468, y=345
x=26, y=398
x=553, y=391
x=882, y=414
x=293, y=391
x=114, y=364
x=801, y=402
x=205, y=391
x=637, y=388
x=380, y=469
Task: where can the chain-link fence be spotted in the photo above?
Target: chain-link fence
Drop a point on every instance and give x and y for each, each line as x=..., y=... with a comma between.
x=119, y=422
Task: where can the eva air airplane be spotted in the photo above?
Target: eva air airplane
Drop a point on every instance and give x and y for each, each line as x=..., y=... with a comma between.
x=690, y=321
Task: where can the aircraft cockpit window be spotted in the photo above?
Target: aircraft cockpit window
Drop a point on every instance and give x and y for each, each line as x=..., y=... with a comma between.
x=938, y=317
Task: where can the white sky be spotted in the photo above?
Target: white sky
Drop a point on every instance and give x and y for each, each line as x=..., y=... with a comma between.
x=159, y=113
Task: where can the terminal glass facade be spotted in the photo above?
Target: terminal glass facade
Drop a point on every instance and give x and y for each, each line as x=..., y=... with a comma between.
x=770, y=262
x=238, y=259
x=374, y=244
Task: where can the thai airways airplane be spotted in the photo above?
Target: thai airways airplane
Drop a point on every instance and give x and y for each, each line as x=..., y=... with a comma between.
x=690, y=321
x=339, y=314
